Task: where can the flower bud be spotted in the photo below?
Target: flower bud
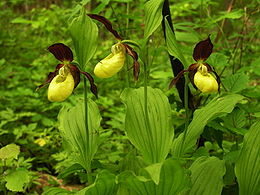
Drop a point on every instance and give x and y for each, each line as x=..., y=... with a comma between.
x=112, y=64
x=61, y=86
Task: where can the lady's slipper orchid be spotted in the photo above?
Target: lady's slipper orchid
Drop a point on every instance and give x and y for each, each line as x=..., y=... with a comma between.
x=204, y=81
x=61, y=86
x=113, y=63
x=66, y=76
x=200, y=72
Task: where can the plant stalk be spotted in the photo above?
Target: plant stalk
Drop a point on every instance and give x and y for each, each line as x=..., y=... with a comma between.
x=86, y=106
x=146, y=66
x=89, y=176
x=126, y=35
x=187, y=114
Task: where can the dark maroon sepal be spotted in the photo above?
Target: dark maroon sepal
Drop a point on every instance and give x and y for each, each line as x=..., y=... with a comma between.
x=192, y=71
x=93, y=87
x=107, y=24
x=202, y=50
x=136, y=67
x=191, y=77
x=218, y=80
x=136, y=70
x=176, y=79
x=50, y=76
x=61, y=52
x=193, y=67
x=76, y=74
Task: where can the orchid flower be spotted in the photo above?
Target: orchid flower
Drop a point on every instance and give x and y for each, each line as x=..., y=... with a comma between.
x=114, y=62
x=66, y=76
x=200, y=72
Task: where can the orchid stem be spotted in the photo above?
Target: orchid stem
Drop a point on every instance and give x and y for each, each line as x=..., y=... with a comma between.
x=86, y=106
x=89, y=176
x=147, y=121
x=187, y=113
x=126, y=35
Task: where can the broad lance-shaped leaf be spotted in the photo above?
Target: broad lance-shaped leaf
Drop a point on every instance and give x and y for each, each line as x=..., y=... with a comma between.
x=84, y=142
x=56, y=191
x=172, y=45
x=153, y=16
x=70, y=170
x=247, y=168
x=132, y=162
x=84, y=33
x=154, y=171
x=207, y=176
x=201, y=117
x=105, y=184
x=173, y=180
x=153, y=137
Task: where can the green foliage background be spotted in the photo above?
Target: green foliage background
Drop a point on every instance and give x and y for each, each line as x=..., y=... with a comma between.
x=27, y=118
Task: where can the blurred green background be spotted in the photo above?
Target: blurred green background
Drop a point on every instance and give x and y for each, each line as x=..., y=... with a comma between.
x=28, y=27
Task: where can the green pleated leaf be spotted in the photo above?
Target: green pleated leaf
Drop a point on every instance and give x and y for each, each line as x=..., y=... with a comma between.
x=172, y=181
x=247, y=168
x=70, y=170
x=9, y=151
x=132, y=162
x=16, y=180
x=56, y=191
x=153, y=16
x=84, y=33
x=84, y=142
x=174, y=48
x=213, y=109
x=154, y=171
x=105, y=184
x=189, y=36
x=207, y=176
x=153, y=137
